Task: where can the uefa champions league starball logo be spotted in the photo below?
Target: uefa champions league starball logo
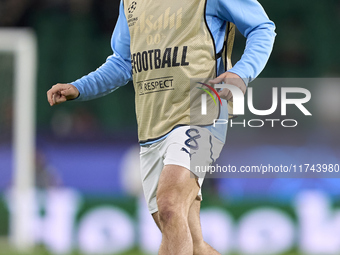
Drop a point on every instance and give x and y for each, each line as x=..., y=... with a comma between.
x=132, y=7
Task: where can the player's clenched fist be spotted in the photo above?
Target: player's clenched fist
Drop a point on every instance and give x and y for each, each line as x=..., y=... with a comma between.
x=60, y=93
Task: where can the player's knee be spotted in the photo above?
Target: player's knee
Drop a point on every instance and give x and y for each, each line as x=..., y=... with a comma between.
x=167, y=215
x=167, y=211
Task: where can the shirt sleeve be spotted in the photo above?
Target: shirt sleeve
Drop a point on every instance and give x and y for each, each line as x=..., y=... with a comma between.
x=116, y=71
x=252, y=21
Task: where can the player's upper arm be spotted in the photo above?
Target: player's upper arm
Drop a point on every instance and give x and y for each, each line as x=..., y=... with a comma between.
x=120, y=40
x=116, y=71
x=253, y=22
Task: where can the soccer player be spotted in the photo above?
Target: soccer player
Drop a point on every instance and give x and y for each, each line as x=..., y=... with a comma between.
x=169, y=49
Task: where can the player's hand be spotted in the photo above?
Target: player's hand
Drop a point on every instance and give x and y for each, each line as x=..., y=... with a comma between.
x=232, y=79
x=60, y=93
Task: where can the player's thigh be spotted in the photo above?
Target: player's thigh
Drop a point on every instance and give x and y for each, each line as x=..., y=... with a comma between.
x=177, y=189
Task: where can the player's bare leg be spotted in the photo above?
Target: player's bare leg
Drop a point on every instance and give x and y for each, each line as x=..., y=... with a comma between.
x=175, y=194
x=200, y=246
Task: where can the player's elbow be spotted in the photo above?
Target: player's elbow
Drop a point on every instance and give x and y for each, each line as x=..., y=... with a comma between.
x=265, y=29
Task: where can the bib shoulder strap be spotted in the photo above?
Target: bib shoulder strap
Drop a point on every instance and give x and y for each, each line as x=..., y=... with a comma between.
x=228, y=45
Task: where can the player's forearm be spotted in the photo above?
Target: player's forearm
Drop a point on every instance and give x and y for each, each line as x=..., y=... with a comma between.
x=259, y=46
x=114, y=73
